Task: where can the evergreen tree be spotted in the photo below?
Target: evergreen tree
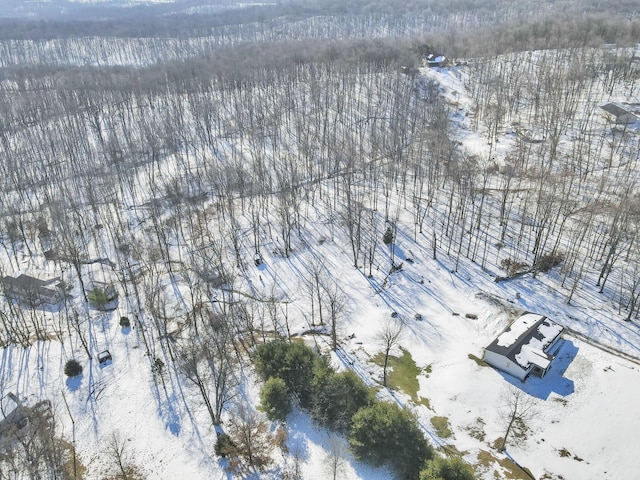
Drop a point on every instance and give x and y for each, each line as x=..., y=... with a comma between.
x=337, y=397
x=386, y=433
x=447, y=469
x=387, y=238
x=72, y=368
x=275, y=400
x=293, y=362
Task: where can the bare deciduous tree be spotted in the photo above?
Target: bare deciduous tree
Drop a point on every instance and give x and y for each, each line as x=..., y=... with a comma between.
x=209, y=363
x=388, y=337
x=516, y=409
x=30, y=448
x=119, y=453
x=252, y=442
x=336, y=304
x=335, y=457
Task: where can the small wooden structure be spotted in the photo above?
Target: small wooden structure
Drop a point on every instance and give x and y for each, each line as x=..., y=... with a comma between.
x=104, y=357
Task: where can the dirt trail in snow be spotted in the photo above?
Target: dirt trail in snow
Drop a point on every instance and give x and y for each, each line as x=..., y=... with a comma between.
x=602, y=346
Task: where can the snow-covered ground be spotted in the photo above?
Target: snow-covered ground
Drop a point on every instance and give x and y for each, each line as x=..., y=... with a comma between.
x=584, y=406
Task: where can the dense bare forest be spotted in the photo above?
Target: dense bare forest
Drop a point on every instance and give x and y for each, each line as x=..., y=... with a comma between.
x=260, y=128
x=193, y=144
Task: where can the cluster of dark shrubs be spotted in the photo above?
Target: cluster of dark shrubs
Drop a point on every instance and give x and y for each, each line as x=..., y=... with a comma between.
x=513, y=267
x=72, y=368
x=293, y=372
x=224, y=444
x=544, y=263
x=548, y=261
x=378, y=432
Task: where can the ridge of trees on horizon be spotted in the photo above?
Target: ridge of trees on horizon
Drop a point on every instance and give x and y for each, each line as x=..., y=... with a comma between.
x=459, y=32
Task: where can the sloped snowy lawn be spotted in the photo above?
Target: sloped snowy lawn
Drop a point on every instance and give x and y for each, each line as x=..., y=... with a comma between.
x=580, y=393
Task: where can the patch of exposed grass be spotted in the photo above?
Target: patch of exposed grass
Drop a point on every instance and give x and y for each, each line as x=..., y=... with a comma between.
x=71, y=470
x=486, y=458
x=441, y=424
x=452, y=450
x=496, y=443
x=424, y=401
x=478, y=360
x=130, y=472
x=378, y=359
x=402, y=374
x=511, y=470
x=476, y=430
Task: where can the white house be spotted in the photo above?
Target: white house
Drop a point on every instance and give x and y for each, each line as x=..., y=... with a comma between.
x=525, y=346
x=434, y=60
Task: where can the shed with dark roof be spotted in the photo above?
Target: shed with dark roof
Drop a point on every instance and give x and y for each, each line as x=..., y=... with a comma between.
x=621, y=114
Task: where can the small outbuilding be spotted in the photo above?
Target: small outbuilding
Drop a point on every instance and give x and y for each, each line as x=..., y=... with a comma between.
x=525, y=347
x=106, y=289
x=102, y=296
x=620, y=113
x=104, y=357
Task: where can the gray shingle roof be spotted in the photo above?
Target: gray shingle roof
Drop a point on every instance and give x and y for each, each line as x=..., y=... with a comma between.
x=530, y=333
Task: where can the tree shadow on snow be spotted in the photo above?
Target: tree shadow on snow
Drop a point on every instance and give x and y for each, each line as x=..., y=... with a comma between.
x=73, y=383
x=171, y=416
x=554, y=381
x=166, y=403
x=305, y=432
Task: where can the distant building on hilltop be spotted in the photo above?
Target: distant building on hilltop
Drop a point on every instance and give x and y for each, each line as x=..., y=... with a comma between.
x=525, y=346
x=32, y=291
x=434, y=60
